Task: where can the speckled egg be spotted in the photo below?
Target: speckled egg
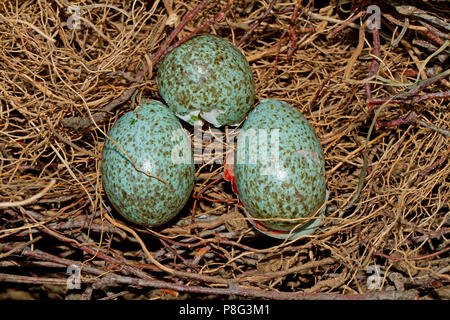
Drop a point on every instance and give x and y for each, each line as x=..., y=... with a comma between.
x=154, y=140
x=280, y=171
x=207, y=78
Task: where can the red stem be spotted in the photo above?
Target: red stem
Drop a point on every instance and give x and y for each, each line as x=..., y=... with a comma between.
x=216, y=19
x=316, y=95
x=427, y=96
x=411, y=117
x=437, y=35
x=256, y=23
x=292, y=33
x=174, y=33
x=415, y=90
x=434, y=165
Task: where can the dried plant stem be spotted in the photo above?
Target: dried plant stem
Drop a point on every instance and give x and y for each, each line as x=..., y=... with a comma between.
x=216, y=19
x=44, y=256
x=256, y=23
x=163, y=48
x=345, y=24
x=442, y=131
x=98, y=253
x=431, y=255
x=431, y=167
x=233, y=290
x=271, y=275
x=375, y=64
x=292, y=34
x=357, y=51
x=32, y=199
x=435, y=32
x=411, y=117
x=416, y=88
x=395, y=42
x=319, y=91
x=414, y=99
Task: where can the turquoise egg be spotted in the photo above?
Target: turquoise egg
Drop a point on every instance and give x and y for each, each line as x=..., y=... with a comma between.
x=207, y=78
x=154, y=139
x=280, y=170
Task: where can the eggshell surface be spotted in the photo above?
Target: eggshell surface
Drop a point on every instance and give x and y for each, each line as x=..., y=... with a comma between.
x=154, y=139
x=207, y=78
x=279, y=168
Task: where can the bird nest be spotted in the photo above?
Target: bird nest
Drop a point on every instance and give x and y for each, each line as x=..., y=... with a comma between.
x=371, y=80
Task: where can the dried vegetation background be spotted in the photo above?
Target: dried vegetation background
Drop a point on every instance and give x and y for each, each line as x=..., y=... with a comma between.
x=385, y=235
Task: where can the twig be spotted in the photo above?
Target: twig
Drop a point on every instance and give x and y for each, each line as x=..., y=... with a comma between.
x=163, y=267
x=390, y=18
x=292, y=33
x=395, y=42
x=425, y=83
x=278, y=48
x=319, y=90
x=176, y=254
x=445, y=132
x=435, y=31
x=410, y=10
x=199, y=254
x=345, y=24
x=431, y=167
x=114, y=296
x=415, y=89
x=232, y=290
x=413, y=72
x=216, y=19
x=19, y=247
x=35, y=280
x=427, y=96
x=163, y=48
x=432, y=36
x=431, y=255
x=412, y=118
x=44, y=256
x=271, y=275
x=357, y=51
x=256, y=23
x=425, y=44
x=29, y=200
x=95, y=252
x=101, y=255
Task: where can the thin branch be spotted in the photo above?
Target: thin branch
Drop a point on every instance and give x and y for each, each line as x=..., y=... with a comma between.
x=256, y=23
x=232, y=290
x=29, y=200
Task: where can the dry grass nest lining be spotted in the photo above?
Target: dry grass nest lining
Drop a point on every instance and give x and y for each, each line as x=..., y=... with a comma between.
x=52, y=214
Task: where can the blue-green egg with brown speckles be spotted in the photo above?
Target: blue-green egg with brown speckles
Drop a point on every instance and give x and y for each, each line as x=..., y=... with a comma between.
x=207, y=78
x=147, y=166
x=280, y=171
